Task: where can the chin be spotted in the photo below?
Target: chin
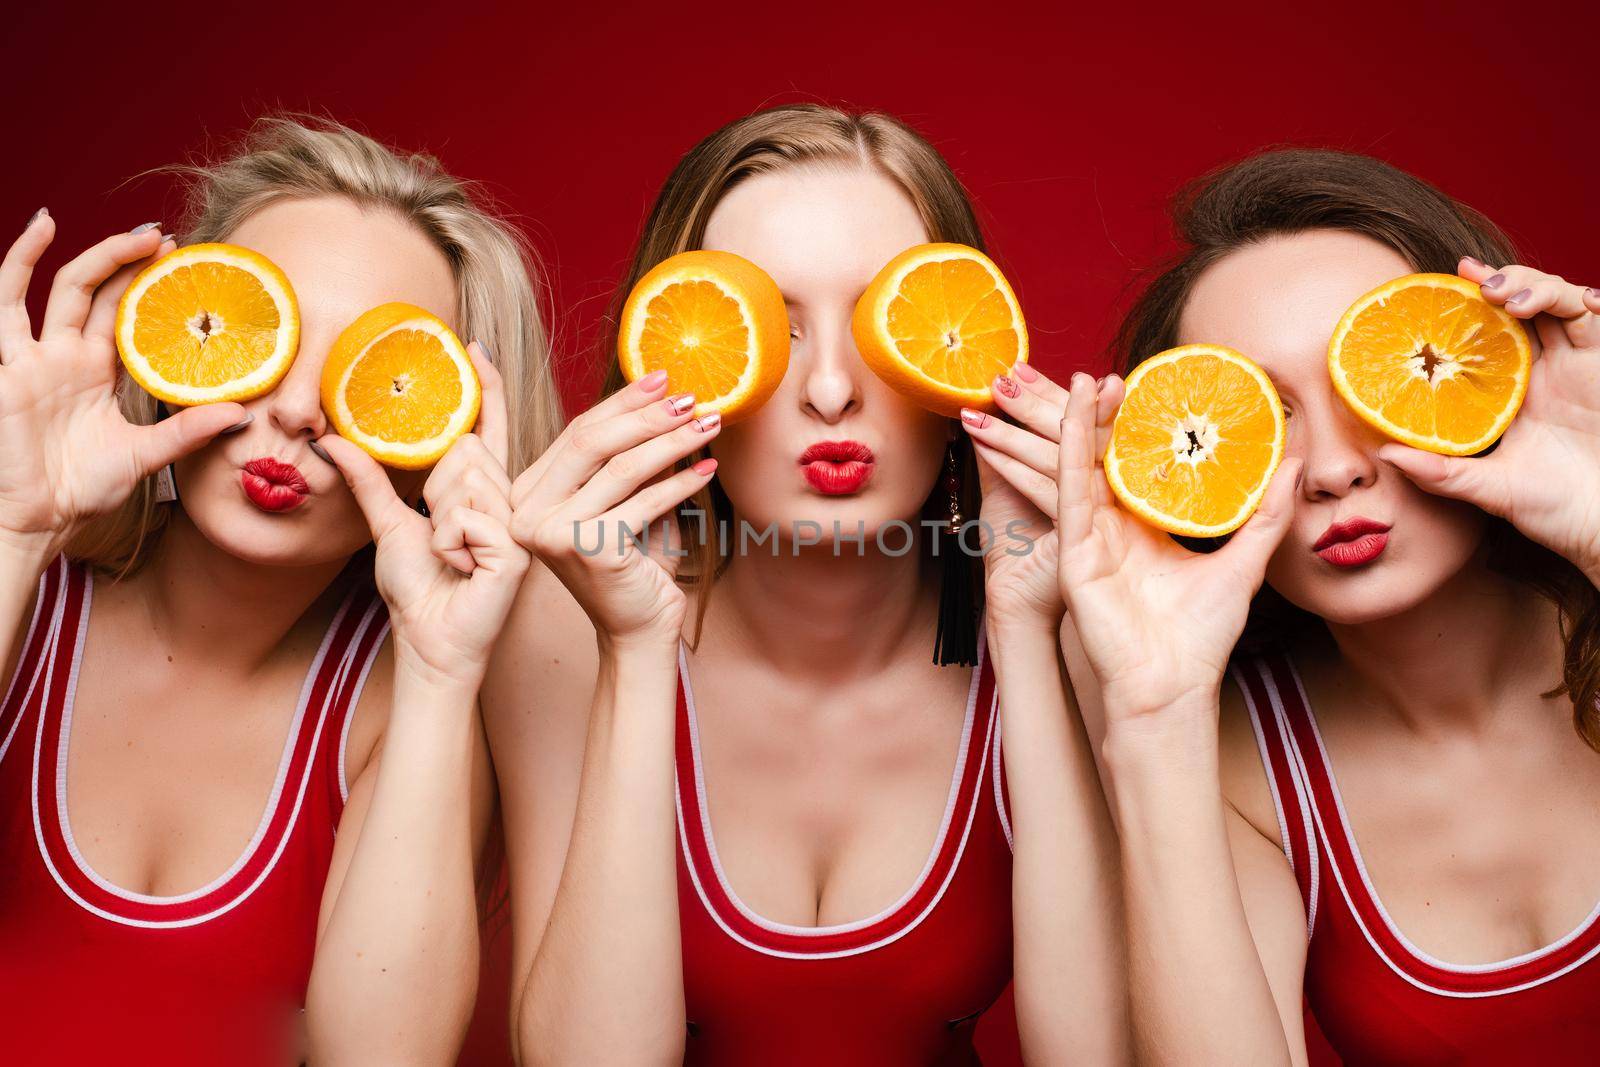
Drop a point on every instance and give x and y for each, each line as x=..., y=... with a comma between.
x=1354, y=598
x=254, y=537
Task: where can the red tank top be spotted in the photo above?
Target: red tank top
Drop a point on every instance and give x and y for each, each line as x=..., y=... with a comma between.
x=90, y=973
x=1377, y=997
x=905, y=986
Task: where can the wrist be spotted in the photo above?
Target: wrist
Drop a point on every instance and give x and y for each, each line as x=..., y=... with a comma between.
x=464, y=676
x=29, y=553
x=646, y=647
x=1181, y=732
x=1010, y=616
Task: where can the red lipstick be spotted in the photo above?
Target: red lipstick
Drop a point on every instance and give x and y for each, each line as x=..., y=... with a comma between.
x=1352, y=542
x=273, y=485
x=837, y=468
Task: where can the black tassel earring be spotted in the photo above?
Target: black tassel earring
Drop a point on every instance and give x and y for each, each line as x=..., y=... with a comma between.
x=956, y=643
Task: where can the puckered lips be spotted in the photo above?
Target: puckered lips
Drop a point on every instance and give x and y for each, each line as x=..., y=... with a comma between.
x=273, y=485
x=837, y=468
x=1353, y=542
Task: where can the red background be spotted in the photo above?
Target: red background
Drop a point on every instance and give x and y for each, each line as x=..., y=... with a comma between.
x=1070, y=128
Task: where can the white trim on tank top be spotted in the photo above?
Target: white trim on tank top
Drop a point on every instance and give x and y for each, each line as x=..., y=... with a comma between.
x=271, y=808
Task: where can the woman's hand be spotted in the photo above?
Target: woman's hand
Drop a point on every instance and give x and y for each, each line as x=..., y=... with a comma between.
x=1017, y=471
x=66, y=451
x=1544, y=475
x=1157, y=622
x=601, y=486
x=449, y=578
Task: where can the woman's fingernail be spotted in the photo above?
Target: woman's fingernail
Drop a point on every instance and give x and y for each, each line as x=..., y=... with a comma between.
x=1007, y=386
x=169, y=237
x=1025, y=372
x=653, y=381
x=677, y=405
x=707, y=423
x=1474, y=261
x=704, y=467
x=241, y=424
x=488, y=355
x=322, y=453
x=1520, y=296
x=976, y=419
x=36, y=216
x=1496, y=282
x=144, y=227
x=1592, y=294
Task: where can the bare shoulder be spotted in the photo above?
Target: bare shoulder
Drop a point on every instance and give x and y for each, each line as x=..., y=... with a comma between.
x=1244, y=777
x=370, y=720
x=19, y=638
x=544, y=666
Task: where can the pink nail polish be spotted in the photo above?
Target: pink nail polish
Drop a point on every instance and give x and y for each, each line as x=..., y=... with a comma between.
x=1496, y=282
x=653, y=381
x=704, y=467
x=1008, y=387
x=1521, y=295
x=1474, y=261
x=976, y=419
x=678, y=405
x=708, y=423
x=1025, y=372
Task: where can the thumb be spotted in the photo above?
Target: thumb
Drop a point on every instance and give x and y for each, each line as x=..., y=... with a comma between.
x=375, y=495
x=1254, y=542
x=1460, y=478
x=184, y=432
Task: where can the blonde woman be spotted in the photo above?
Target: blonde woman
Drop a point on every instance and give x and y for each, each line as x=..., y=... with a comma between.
x=203, y=691
x=784, y=829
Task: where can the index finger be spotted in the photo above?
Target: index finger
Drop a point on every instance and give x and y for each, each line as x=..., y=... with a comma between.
x=633, y=397
x=73, y=290
x=369, y=484
x=1075, y=470
x=15, y=273
x=492, y=418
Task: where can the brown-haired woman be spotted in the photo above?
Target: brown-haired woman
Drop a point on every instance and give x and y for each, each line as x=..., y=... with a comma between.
x=215, y=686
x=804, y=856
x=1429, y=631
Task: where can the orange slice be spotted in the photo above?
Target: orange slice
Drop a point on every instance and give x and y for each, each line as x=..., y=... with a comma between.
x=1428, y=361
x=1199, y=433
x=208, y=323
x=400, y=384
x=716, y=323
x=938, y=323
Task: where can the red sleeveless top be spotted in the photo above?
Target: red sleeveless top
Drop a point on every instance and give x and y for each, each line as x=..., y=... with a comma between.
x=1378, y=998
x=90, y=973
x=905, y=986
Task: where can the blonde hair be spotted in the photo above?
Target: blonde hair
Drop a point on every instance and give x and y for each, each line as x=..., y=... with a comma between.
x=792, y=136
x=497, y=281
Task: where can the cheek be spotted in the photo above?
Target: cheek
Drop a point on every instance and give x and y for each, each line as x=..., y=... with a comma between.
x=330, y=527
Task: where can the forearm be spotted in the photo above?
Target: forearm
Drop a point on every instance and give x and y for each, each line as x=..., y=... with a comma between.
x=396, y=967
x=606, y=984
x=1199, y=991
x=1071, y=990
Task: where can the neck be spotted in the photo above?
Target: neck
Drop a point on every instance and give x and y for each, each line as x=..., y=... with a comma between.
x=204, y=603
x=817, y=612
x=1461, y=659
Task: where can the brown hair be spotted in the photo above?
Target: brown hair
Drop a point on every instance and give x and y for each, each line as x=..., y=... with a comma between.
x=1289, y=191
x=780, y=137
x=496, y=274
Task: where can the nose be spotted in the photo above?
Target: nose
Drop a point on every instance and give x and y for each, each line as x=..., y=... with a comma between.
x=295, y=406
x=831, y=385
x=1338, y=449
